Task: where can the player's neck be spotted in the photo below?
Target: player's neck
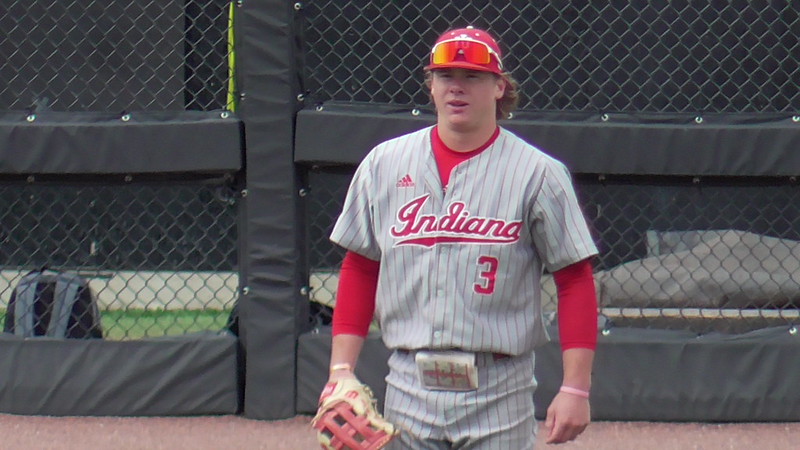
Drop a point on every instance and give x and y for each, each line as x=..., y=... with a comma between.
x=465, y=140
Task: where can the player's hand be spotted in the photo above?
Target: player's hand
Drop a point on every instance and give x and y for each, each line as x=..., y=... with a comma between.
x=567, y=417
x=347, y=418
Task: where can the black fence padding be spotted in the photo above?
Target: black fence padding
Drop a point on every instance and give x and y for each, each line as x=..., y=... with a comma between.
x=661, y=375
x=191, y=374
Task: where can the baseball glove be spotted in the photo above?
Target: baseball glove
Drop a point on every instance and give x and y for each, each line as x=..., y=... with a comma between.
x=347, y=418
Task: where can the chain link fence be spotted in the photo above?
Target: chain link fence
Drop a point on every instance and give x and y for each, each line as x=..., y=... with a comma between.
x=711, y=254
x=160, y=255
x=151, y=247
x=707, y=254
x=114, y=55
x=704, y=254
x=642, y=55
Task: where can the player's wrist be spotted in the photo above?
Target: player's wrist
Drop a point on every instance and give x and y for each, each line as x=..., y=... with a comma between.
x=583, y=393
x=341, y=371
x=341, y=367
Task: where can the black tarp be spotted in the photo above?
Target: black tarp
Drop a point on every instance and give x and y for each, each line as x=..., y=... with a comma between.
x=106, y=143
x=639, y=374
x=630, y=144
x=181, y=375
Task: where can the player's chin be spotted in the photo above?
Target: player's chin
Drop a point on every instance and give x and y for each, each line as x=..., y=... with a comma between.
x=459, y=119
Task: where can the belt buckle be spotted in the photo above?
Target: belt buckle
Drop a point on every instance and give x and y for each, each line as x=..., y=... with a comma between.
x=447, y=370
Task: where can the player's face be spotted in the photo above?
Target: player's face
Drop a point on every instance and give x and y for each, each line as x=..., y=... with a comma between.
x=466, y=99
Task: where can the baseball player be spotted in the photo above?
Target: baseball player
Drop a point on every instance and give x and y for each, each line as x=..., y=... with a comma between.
x=448, y=231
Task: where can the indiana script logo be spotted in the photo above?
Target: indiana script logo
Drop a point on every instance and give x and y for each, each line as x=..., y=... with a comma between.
x=457, y=226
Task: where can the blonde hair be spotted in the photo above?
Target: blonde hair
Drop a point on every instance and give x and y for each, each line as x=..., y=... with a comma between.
x=505, y=105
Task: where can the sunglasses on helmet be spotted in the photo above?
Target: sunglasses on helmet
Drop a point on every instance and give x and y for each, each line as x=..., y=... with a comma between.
x=472, y=51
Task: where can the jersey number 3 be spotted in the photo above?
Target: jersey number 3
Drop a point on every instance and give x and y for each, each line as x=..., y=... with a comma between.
x=487, y=277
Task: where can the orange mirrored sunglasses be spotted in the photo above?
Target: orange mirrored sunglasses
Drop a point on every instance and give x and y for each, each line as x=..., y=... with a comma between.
x=474, y=52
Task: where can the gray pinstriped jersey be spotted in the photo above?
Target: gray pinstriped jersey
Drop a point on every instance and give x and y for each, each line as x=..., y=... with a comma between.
x=461, y=266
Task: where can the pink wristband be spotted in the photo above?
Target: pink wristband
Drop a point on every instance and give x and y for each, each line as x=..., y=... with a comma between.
x=574, y=391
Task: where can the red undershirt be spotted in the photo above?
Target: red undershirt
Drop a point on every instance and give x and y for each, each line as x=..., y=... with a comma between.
x=358, y=279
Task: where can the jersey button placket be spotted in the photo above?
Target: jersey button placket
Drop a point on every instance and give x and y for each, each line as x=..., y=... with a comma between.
x=440, y=300
x=439, y=308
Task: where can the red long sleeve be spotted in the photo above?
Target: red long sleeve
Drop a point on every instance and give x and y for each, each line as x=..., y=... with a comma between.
x=355, y=296
x=577, y=306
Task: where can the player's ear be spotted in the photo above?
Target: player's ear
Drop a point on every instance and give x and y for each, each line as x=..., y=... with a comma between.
x=501, y=88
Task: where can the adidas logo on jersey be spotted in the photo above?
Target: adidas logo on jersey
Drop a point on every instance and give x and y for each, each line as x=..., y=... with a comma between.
x=406, y=181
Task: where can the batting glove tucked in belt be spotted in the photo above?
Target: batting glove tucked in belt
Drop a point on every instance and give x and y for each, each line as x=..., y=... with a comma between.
x=348, y=419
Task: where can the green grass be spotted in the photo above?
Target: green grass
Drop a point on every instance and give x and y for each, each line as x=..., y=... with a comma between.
x=138, y=323
x=135, y=324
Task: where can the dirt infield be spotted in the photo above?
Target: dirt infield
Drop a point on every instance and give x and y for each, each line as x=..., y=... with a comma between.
x=234, y=432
